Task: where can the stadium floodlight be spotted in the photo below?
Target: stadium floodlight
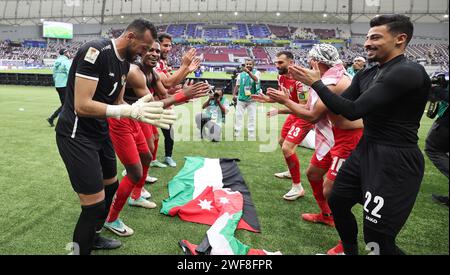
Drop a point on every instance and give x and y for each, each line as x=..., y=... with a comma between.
x=325, y=15
x=122, y=16
x=278, y=14
x=199, y=14
x=42, y=19
x=235, y=13
x=160, y=15
x=446, y=16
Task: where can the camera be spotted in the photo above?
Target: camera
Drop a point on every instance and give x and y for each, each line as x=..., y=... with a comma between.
x=237, y=71
x=211, y=91
x=439, y=86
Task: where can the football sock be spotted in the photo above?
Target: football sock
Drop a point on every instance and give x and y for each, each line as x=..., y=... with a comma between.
x=136, y=194
x=345, y=222
x=317, y=187
x=122, y=194
x=155, y=150
x=110, y=191
x=294, y=168
x=84, y=232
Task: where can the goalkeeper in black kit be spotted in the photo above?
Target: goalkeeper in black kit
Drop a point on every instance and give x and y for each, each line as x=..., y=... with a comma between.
x=385, y=171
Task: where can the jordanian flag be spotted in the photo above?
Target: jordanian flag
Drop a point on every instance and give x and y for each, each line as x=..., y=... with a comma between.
x=206, y=189
x=220, y=239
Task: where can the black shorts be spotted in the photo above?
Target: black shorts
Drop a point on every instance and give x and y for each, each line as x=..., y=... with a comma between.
x=385, y=180
x=88, y=162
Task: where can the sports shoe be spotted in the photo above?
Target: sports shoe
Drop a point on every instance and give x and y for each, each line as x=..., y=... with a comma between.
x=151, y=180
x=157, y=164
x=145, y=194
x=105, y=243
x=170, y=162
x=283, y=175
x=141, y=202
x=440, y=199
x=337, y=250
x=50, y=121
x=319, y=218
x=119, y=228
x=295, y=193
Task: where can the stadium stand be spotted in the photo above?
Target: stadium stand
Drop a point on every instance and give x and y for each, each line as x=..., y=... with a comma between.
x=428, y=54
x=33, y=53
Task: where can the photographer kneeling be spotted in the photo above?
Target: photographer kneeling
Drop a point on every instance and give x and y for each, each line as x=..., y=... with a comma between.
x=436, y=146
x=211, y=120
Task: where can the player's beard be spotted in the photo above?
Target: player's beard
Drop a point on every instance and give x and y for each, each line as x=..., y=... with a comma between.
x=283, y=71
x=130, y=56
x=375, y=57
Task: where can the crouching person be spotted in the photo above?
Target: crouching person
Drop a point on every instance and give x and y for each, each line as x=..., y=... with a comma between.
x=212, y=119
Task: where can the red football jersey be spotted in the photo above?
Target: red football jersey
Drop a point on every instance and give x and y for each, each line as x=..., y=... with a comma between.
x=295, y=87
x=163, y=68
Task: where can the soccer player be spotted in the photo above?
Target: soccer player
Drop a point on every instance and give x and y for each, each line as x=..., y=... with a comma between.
x=248, y=83
x=189, y=64
x=336, y=137
x=60, y=74
x=129, y=140
x=385, y=171
x=95, y=90
x=295, y=129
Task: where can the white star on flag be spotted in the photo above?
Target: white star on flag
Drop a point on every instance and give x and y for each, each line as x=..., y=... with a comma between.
x=224, y=200
x=205, y=205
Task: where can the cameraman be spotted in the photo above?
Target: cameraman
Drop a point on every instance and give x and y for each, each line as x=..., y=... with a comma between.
x=436, y=146
x=213, y=116
x=248, y=83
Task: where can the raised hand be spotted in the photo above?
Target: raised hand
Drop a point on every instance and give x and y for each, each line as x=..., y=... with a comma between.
x=262, y=98
x=278, y=96
x=188, y=83
x=188, y=57
x=304, y=75
x=272, y=113
x=196, y=90
x=194, y=65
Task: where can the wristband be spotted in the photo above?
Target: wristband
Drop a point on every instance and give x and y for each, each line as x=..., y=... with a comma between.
x=180, y=97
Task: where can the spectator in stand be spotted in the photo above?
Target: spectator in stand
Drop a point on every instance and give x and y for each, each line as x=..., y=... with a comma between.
x=359, y=64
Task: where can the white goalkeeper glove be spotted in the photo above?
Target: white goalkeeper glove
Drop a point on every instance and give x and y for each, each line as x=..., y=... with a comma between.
x=167, y=117
x=145, y=110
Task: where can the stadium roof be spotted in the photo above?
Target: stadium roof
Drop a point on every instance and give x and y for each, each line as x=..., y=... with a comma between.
x=32, y=12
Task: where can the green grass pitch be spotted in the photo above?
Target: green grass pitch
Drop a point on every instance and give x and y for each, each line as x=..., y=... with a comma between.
x=39, y=208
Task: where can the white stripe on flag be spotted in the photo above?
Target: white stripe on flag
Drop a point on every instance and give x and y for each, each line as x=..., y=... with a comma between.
x=209, y=175
x=218, y=242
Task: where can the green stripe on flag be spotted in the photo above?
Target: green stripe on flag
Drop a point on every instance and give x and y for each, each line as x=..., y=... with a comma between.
x=228, y=232
x=181, y=188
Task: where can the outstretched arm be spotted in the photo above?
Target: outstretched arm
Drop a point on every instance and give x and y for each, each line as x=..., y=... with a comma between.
x=383, y=92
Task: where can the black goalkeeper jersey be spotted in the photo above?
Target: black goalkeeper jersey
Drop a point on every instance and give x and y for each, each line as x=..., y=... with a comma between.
x=390, y=99
x=96, y=60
